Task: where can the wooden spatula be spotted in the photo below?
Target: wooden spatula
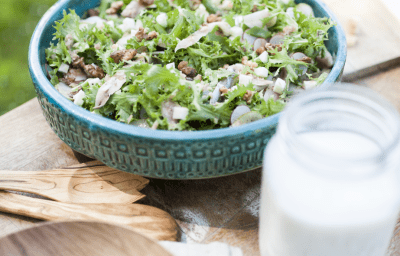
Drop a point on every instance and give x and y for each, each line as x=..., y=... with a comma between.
x=79, y=238
x=146, y=220
x=92, y=182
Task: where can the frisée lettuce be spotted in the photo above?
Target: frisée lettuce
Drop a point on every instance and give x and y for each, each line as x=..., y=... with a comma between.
x=187, y=64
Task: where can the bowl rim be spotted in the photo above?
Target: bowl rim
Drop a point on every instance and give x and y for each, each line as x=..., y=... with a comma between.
x=96, y=121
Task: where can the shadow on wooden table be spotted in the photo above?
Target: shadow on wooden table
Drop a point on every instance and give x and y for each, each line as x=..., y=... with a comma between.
x=219, y=209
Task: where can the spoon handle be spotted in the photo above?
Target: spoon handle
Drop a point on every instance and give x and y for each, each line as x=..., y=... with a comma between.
x=147, y=220
x=91, y=182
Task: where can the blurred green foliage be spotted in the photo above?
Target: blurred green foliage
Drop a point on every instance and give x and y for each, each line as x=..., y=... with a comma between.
x=18, y=19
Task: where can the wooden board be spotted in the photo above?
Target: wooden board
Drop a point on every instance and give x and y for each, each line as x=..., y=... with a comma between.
x=79, y=239
x=393, y=6
x=378, y=33
x=222, y=209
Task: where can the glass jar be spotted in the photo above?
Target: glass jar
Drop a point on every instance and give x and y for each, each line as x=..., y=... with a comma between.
x=330, y=176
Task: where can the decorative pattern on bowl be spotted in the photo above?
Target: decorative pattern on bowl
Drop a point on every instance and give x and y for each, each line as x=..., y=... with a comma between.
x=157, y=154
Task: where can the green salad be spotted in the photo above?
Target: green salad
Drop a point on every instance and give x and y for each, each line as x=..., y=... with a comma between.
x=188, y=64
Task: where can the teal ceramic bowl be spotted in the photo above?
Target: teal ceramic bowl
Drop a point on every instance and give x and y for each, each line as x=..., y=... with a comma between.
x=152, y=153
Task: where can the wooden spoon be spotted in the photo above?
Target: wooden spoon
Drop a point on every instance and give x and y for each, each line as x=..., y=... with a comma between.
x=92, y=182
x=147, y=220
x=79, y=239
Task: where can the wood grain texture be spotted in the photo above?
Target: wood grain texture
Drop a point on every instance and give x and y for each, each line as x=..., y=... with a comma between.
x=28, y=143
x=201, y=206
x=147, y=220
x=387, y=84
x=79, y=239
x=222, y=209
x=378, y=33
x=91, y=182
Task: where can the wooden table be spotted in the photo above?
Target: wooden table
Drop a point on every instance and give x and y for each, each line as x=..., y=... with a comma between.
x=221, y=209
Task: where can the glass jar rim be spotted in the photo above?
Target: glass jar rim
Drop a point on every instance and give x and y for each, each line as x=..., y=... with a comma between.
x=364, y=97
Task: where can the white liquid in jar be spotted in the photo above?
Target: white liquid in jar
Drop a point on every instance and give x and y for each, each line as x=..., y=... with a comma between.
x=306, y=213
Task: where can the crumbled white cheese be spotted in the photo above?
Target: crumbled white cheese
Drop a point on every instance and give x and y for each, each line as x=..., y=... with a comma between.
x=110, y=23
x=83, y=26
x=92, y=20
x=290, y=11
x=162, y=19
x=263, y=57
x=202, y=11
x=78, y=98
x=180, y=113
x=238, y=21
x=307, y=85
x=170, y=65
x=255, y=19
x=64, y=68
x=279, y=86
x=245, y=79
x=261, y=71
x=236, y=31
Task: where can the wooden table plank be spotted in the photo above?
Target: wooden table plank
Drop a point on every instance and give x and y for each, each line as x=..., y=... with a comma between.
x=378, y=33
x=204, y=205
x=222, y=209
x=28, y=143
x=386, y=84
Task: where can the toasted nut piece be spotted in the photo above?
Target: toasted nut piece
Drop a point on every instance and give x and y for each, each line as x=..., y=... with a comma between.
x=117, y=55
x=117, y=5
x=140, y=35
x=260, y=50
x=93, y=70
x=182, y=64
x=129, y=54
x=248, y=96
x=254, y=8
x=244, y=60
x=213, y=18
x=259, y=42
x=223, y=89
x=146, y=2
x=305, y=59
x=351, y=27
x=93, y=12
x=251, y=64
x=152, y=35
x=111, y=11
x=288, y=30
x=77, y=62
x=278, y=47
x=97, y=46
x=269, y=47
x=191, y=72
x=219, y=32
x=73, y=76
